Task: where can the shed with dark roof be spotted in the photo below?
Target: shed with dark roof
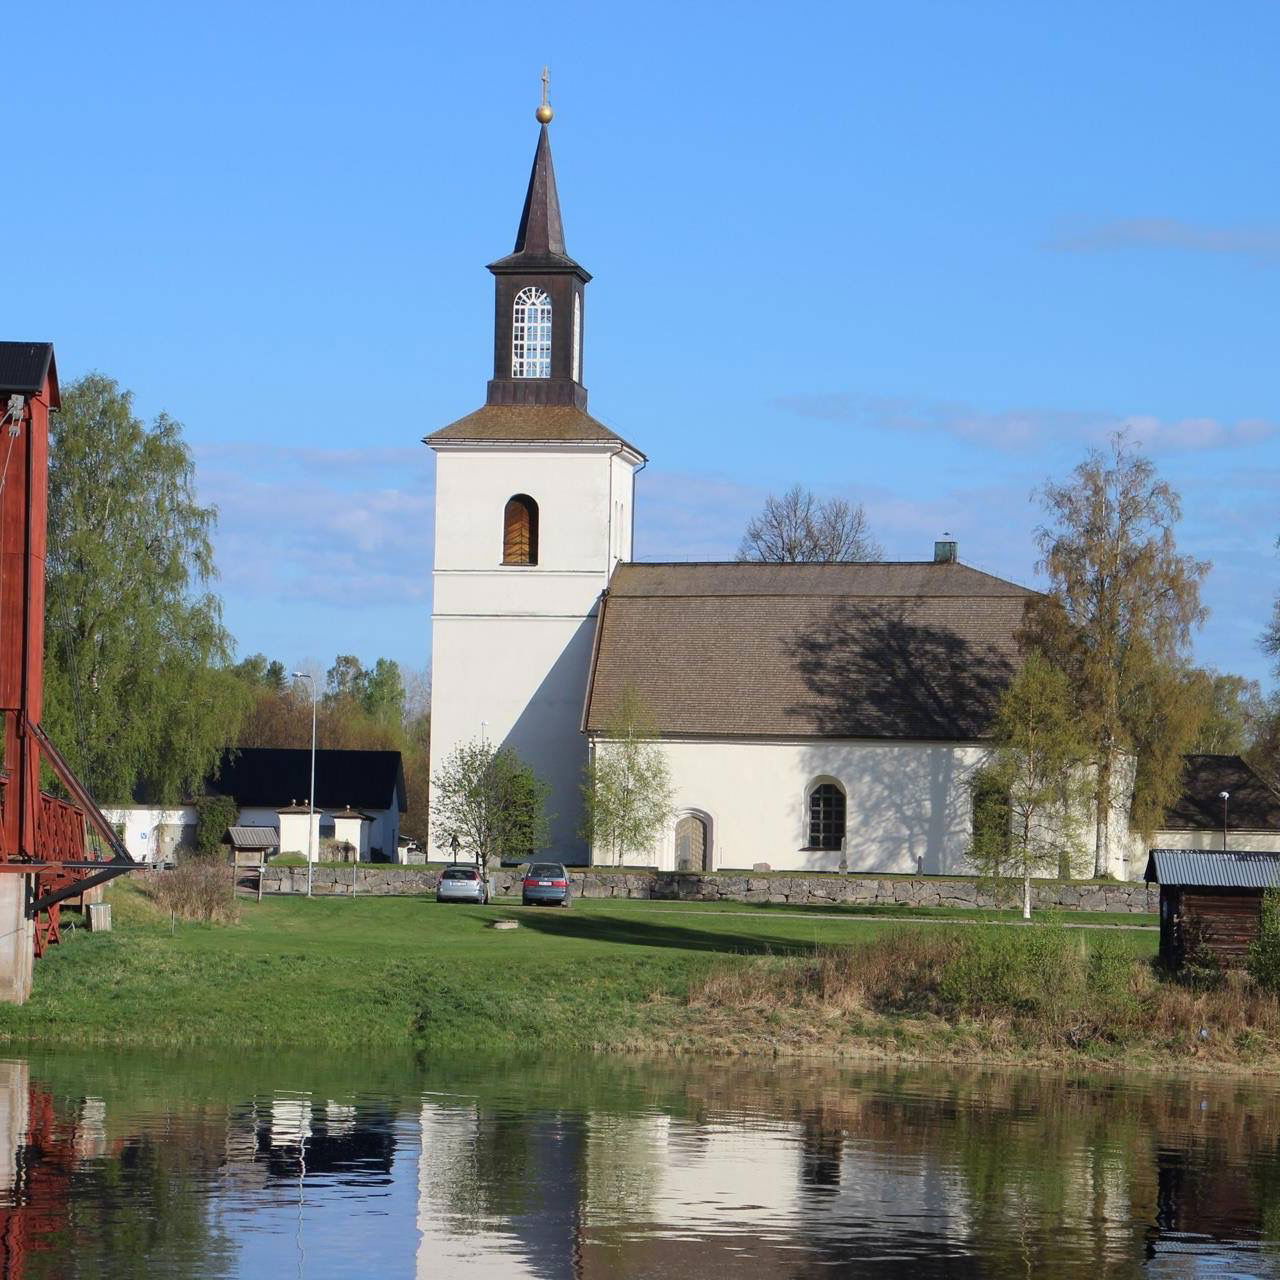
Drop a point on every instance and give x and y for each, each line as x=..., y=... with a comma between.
x=1210, y=902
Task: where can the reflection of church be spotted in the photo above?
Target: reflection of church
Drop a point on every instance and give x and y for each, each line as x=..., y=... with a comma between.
x=816, y=716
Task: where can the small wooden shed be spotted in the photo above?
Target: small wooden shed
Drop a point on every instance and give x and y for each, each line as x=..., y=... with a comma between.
x=1210, y=902
x=251, y=846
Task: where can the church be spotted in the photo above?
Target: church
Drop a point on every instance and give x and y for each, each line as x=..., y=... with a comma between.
x=822, y=717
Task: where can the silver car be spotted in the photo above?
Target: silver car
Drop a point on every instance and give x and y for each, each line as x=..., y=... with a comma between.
x=462, y=884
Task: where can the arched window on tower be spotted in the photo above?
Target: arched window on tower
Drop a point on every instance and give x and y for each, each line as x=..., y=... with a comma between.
x=577, y=337
x=531, y=334
x=520, y=531
x=826, y=816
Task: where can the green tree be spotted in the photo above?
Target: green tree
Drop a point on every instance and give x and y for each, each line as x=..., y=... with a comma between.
x=490, y=802
x=345, y=679
x=214, y=814
x=1119, y=618
x=261, y=672
x=1235, y=711
x=382, y=693
x=1038, y=770
x=627, y=788
x=1264, y=953
x=137, y=676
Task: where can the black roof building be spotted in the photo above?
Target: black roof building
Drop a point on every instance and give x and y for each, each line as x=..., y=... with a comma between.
x=1251, y=806
x=272, y=777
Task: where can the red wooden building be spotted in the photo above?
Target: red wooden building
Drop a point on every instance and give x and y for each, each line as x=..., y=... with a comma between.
x=52, y=846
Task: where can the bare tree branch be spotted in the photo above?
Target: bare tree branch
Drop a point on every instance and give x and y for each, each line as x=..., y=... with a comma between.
x=800, y=528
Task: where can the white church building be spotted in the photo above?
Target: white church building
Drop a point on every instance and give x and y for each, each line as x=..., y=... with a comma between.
x=814, y=716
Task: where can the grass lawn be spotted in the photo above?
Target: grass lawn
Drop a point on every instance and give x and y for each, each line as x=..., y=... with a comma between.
x=410, y=973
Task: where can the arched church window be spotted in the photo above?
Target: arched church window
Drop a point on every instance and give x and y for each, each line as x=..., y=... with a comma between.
x=826, y=816
x=531, y=334
x=577, y=337
x=520, y=531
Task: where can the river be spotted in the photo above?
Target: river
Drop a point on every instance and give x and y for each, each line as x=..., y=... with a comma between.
x=310, y=1166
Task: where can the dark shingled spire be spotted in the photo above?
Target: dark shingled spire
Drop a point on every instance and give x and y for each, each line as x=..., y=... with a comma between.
x=541, y=266
x=541, y=231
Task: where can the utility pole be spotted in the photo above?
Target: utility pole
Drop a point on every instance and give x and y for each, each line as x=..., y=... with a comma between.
x=311, y=801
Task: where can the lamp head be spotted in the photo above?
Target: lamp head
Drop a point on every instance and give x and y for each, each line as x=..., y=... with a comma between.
x=1224, y=795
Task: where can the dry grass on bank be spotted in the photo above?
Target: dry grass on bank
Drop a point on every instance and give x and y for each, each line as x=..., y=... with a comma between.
x=1028, y=995
x=197, y=890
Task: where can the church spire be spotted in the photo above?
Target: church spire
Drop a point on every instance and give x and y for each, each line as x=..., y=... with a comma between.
x=541, y=231
x=538, y=317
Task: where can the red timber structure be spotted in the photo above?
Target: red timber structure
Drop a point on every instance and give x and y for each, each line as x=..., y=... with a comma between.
x=51, y=848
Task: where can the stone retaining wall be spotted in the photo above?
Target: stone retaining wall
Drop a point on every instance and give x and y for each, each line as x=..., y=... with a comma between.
x=815, y=889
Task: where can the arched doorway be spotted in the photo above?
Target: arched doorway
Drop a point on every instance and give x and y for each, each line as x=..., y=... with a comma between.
x=691, y=843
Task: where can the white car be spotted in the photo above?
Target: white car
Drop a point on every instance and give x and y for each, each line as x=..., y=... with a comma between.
x=461, y=883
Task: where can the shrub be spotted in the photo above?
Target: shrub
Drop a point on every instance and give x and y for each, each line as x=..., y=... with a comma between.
x=197, y=889
x=214, y=814
x=1264, y=955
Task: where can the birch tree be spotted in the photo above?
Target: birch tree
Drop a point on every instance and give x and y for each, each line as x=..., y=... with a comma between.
x=1038, y=771
x=490, y=802
x=627, y=791
x=1118, y=621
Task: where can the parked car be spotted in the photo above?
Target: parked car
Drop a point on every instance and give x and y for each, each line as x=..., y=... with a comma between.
x=462, y=884
x=546, y=882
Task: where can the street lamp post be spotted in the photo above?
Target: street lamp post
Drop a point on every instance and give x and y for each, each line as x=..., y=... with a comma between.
x=311, y=798
x=1224, y=796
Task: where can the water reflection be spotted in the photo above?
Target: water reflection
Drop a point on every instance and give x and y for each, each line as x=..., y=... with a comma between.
x=132, y=1167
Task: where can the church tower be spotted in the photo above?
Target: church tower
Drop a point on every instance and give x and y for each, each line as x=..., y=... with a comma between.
x=533, y=511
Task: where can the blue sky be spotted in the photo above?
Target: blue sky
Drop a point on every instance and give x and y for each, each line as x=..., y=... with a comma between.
x=922, y=254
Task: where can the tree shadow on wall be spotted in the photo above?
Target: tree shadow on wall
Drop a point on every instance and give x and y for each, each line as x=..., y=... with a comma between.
x=884, y=671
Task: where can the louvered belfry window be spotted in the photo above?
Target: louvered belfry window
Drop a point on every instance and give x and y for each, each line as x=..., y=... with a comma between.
x=826, y=817
x=520, y=531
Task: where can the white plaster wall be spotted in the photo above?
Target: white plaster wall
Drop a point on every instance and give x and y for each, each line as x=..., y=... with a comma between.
x=518, y=682
x=293, y=834
x=140, y=823
x=261, y=817
x=1237, y=842
x=511, y=645
x=904, y=802
x=355, y=833
x=384, y=831
x=574, y=486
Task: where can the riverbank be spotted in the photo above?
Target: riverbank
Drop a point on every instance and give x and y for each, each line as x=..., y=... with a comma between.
x=406, y=973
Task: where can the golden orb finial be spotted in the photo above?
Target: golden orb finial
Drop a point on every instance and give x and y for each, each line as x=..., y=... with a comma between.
x=544, y=113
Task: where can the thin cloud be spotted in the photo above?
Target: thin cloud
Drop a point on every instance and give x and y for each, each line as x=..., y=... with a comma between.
x=315, y=525
x=1261, y=243
x=1021, y=430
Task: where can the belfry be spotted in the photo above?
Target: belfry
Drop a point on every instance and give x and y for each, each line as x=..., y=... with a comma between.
x=534, y=502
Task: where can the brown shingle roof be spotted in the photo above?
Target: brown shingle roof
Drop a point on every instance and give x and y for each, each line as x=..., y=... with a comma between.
x=527, y=423
x=907, y=651
x=1253, y=805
